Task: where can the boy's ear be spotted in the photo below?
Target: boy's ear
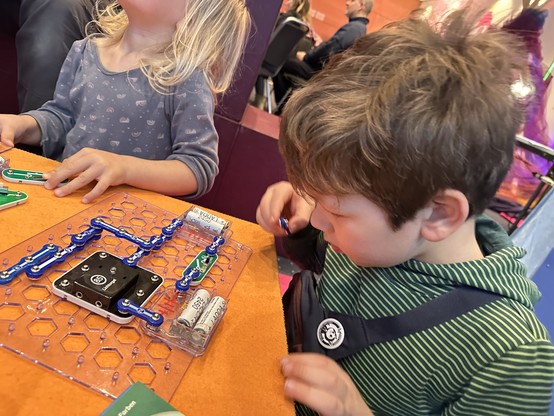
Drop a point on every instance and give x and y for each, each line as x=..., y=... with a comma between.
x=447, y=211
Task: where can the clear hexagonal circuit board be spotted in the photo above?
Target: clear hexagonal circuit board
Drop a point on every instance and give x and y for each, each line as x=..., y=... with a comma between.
x=92, y=349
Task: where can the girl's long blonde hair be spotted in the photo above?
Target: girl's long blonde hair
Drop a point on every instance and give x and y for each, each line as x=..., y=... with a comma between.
x=210, y=37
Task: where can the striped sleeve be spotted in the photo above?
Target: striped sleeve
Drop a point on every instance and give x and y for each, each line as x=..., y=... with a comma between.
x=518, y=383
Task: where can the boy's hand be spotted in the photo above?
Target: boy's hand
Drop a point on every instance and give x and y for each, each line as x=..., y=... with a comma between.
x=108, y=169
x=18, y=129
x=280, y=199
x=318, y=382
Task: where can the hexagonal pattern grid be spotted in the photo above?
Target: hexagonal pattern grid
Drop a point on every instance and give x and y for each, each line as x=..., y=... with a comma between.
x=36, y=292
x=63, y=307
x=11, y=311
x=138, y=222
x=108, y=358
x=96, y=322
x=84, y=346
x=143, y=372
x=169, y=250
x=148, y=214
x=127, y=335
x=158, y=349
x=159, y=261
x=75, y=342
x=42, y=327
x=116, y=212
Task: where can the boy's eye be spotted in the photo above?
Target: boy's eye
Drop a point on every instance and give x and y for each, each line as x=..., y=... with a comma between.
x=332, y=212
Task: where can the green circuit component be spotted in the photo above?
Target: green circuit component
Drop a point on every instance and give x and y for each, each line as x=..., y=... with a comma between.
x=203, y=262
x=26, y=176
x=11, y=198
x=23, y=176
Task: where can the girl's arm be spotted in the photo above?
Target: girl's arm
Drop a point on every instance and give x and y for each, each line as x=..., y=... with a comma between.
x=170, y=177
x=56, y=117
x=194, y=137
x=189, y=171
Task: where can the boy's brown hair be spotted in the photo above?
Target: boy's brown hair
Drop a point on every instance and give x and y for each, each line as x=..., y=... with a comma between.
x=406, y=112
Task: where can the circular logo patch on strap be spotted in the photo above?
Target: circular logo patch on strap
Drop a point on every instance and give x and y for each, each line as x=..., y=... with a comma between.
x=330, y=333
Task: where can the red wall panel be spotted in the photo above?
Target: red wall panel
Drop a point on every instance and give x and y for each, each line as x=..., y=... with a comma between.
x=328, y=15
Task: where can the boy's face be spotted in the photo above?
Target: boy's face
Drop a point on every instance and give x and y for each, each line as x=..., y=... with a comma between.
x=357, y=227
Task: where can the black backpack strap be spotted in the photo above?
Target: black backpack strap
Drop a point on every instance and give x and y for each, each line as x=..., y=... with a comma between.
x=339, y=335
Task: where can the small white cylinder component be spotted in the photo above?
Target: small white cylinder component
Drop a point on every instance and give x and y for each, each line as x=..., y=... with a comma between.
x=206, y=221
x=209, y=317
x=194, y=308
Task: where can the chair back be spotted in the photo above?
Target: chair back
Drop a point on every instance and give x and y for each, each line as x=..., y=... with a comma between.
x=283, y=40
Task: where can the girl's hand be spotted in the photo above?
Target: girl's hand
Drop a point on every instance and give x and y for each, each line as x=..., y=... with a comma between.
x=279, y=200
x=18, y=129
x=108, y=169
x=321, y=384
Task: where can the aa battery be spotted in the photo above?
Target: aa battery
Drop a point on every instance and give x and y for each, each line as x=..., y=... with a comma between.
x=194, y=308
x=209, y=317
x=206, y=221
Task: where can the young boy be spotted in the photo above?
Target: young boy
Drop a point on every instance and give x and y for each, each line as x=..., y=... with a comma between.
x=393, y=151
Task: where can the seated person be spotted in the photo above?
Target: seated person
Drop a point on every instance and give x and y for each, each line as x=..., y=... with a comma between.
x=305, y=65
x=299, y=9
x=393, y=151
x=135, y=103
x=44, y=32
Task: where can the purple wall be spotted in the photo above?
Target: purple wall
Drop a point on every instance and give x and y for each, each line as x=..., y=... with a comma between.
x=248, y=152
x=264, y=14
x=249, y=162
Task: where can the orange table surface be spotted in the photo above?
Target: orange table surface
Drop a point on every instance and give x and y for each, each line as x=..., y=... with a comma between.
x=237, y=375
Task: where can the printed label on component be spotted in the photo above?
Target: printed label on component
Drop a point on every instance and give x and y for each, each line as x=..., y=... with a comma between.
x=98, y=280
x=194, y=308
x=206, y=221
x=209, y=317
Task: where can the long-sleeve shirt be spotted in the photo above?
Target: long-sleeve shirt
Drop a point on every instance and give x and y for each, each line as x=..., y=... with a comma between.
x=120, y=112
x=495, y=360
x=340, y=41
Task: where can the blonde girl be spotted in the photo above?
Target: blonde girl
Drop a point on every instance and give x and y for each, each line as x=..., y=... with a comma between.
x=134, y=103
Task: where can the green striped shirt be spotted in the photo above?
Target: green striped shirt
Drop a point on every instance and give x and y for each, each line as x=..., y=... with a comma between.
x=495, y=360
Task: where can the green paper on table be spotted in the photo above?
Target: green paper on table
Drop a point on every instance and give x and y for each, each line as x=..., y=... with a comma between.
x=139, y=400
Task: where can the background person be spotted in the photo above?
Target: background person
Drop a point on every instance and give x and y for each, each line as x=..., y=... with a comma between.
x=44, y=32
x=306, y=64
x=299, y=9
